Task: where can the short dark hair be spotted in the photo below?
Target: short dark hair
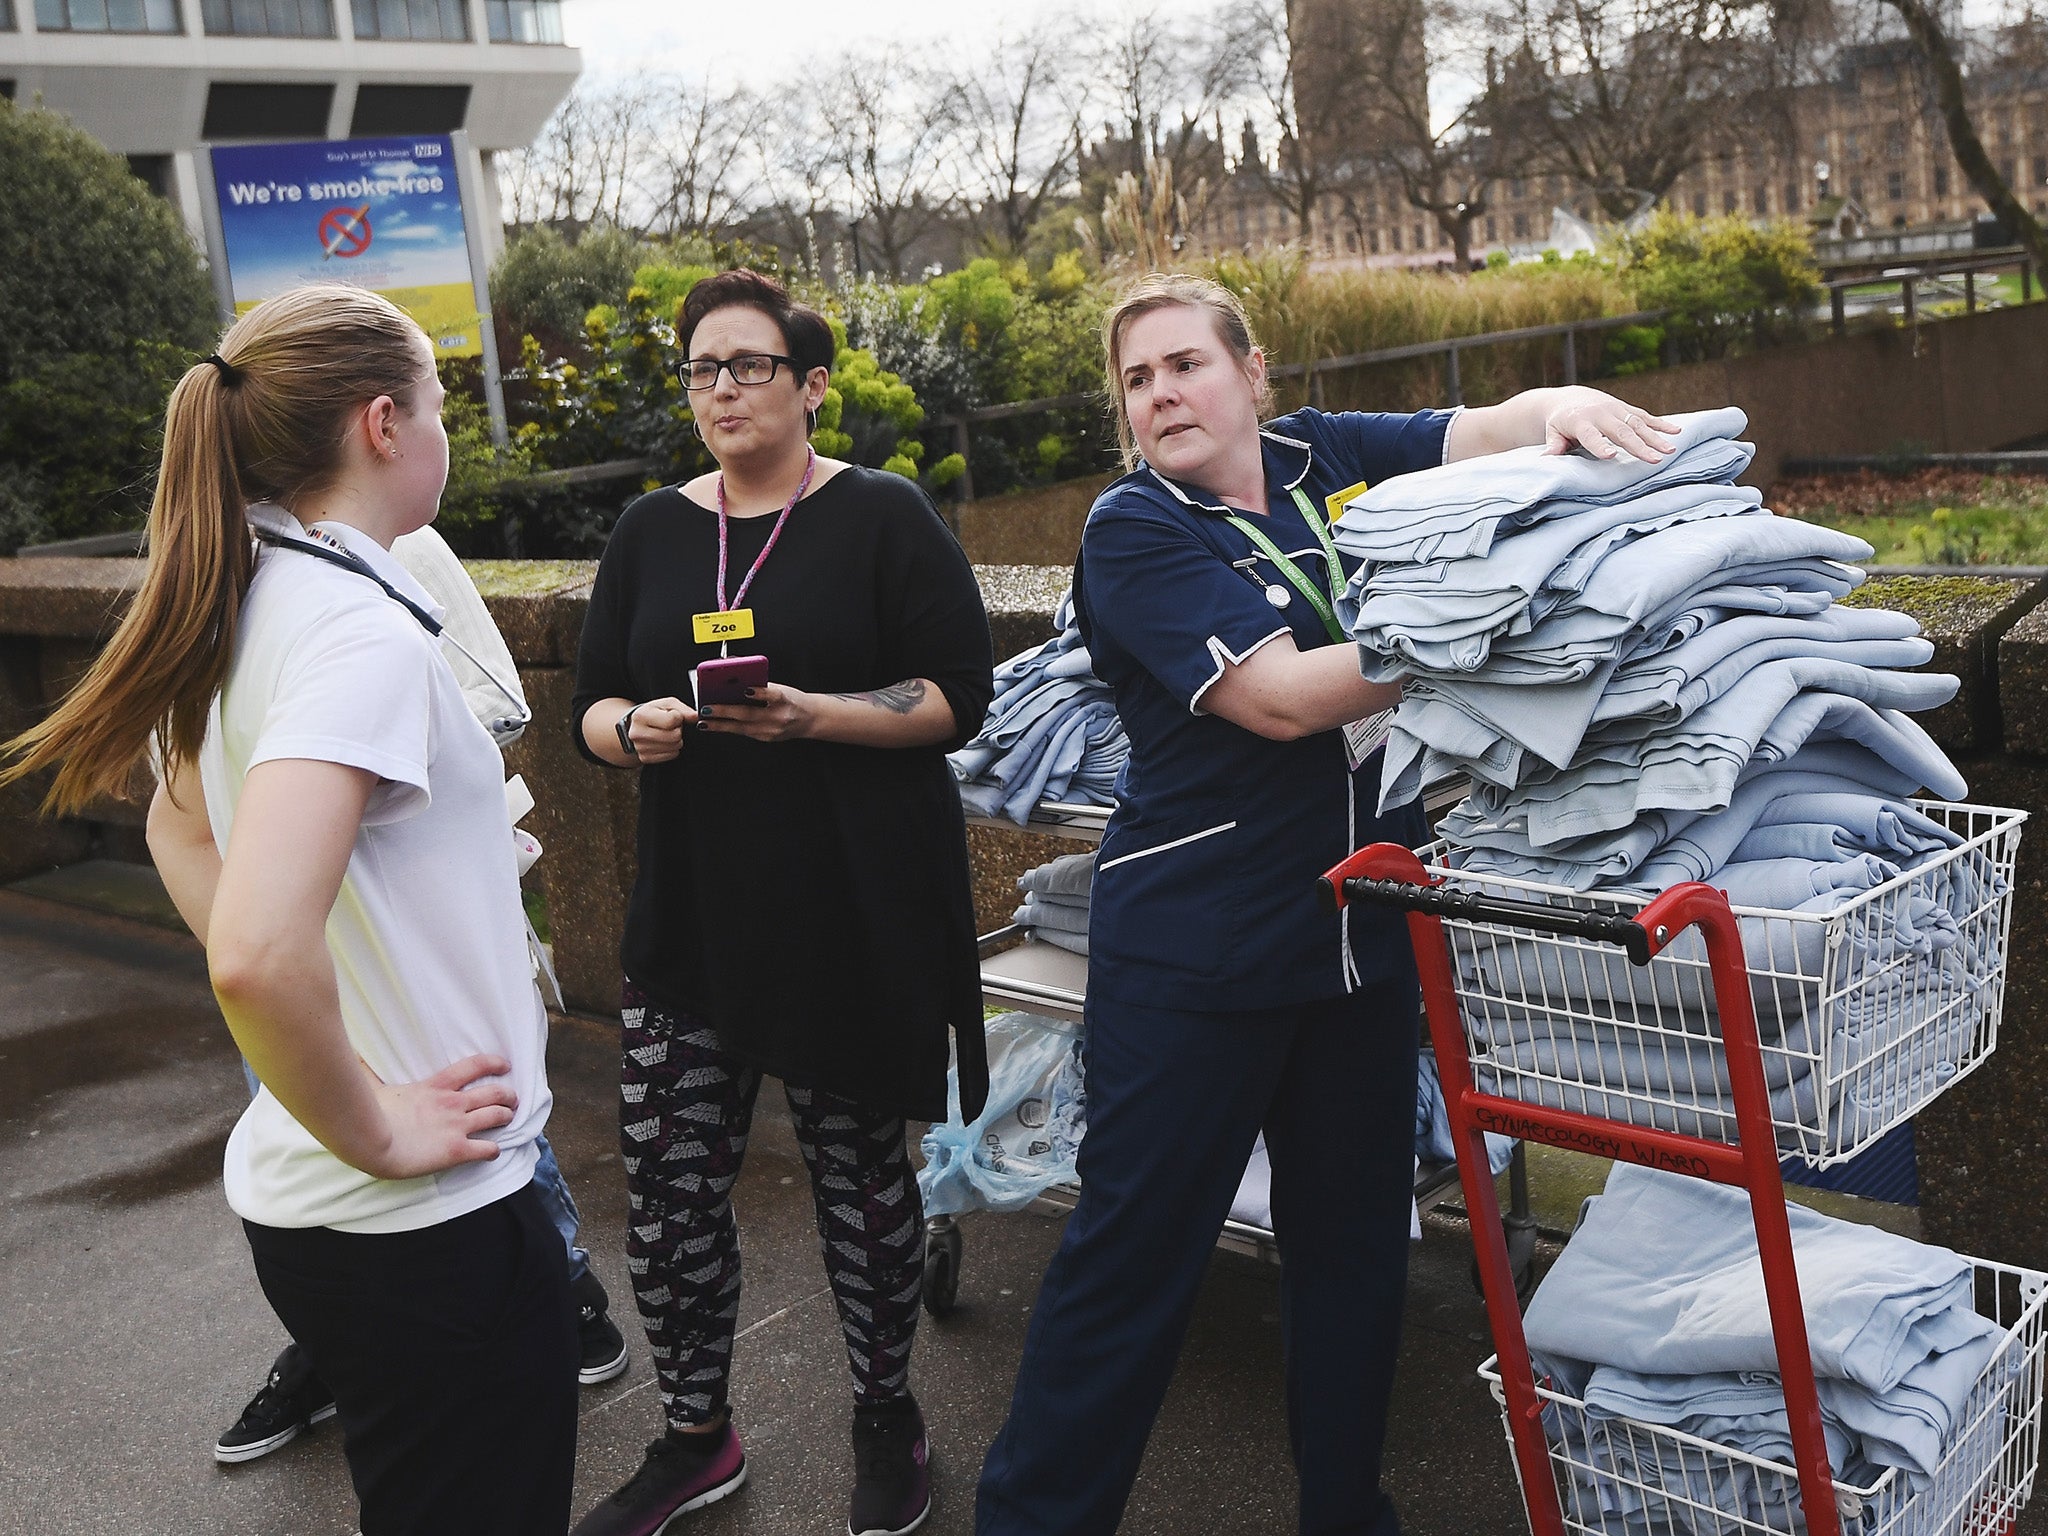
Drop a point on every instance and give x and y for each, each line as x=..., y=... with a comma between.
x=805, y=334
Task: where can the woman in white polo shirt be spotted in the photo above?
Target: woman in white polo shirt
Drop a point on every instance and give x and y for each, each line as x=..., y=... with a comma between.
x=332, y=824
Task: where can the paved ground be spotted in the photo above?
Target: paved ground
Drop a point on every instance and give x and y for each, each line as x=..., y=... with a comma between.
x=134, y=1330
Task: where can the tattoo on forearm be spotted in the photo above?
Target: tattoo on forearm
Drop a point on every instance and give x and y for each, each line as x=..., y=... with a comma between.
x=898, y=698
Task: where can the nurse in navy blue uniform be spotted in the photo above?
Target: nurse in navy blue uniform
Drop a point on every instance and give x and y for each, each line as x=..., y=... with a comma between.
x=1222, y=1001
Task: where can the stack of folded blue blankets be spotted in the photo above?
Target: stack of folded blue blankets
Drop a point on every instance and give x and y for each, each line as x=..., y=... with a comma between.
x=1055, y=906
x=1051, y=732
x=1655, y=1314
x=1644, y=674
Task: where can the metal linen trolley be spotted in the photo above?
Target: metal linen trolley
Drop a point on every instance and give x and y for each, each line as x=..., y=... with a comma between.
x=1520, y=980
x=1040, y=978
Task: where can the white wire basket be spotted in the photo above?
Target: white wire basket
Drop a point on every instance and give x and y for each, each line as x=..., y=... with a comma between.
x=1621, y=1477
x=1865, y=1013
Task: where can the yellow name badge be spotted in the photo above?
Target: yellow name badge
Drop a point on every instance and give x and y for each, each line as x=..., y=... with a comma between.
x=714, y=628
x=1335, y=502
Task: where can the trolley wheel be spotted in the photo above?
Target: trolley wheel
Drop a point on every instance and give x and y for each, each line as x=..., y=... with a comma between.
x=942, y=1250
x=1521, y=1263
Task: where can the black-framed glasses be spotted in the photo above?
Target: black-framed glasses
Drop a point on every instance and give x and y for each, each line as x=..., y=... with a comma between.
x=749, y=368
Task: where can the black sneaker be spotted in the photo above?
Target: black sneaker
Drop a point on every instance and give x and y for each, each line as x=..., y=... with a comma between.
x=892, y=1483
x=679, y=1474
x=603, y=1346
x=291, y=1398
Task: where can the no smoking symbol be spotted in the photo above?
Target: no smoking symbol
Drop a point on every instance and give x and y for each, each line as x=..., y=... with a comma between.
x=345, y=231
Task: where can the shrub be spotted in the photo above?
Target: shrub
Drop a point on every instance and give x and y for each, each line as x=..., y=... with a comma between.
x=1730, y=285
x=543, y=285
x=103, y=305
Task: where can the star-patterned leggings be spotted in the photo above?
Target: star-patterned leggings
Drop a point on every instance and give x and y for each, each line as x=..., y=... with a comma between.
x=684, y=1113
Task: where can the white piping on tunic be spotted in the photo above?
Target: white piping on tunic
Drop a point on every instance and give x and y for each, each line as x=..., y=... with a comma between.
x=1178, y=842
x=1224, y=657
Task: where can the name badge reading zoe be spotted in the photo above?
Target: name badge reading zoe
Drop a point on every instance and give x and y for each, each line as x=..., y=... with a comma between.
x=715, y=628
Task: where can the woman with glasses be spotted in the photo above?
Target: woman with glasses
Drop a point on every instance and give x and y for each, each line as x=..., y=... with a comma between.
x=802, y=906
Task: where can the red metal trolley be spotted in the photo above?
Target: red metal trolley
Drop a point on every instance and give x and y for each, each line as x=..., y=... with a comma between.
x=1491, y=950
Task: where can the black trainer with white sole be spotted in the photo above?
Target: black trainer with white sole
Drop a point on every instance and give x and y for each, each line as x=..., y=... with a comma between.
x=292, y=1398
x=602, y=1348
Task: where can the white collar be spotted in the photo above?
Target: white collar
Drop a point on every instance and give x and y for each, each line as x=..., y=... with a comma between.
x=1180, y=495
x=269, y=518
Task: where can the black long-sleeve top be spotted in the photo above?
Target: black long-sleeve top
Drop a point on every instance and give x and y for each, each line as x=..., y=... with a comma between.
x=810, y=900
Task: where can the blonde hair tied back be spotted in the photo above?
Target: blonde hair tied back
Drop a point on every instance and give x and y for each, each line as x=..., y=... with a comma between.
x=264, y=418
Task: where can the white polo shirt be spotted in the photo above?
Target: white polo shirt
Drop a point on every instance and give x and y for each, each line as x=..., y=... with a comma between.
x=427, y=934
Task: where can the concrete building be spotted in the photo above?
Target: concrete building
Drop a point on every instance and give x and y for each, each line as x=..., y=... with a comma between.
x=154, y=79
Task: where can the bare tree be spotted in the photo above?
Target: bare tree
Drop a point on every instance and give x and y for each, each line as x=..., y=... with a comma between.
x=581, y=167
x=888, y=123
x=1945, y=69
x=1165, y=80
x=1626, y=96
x=692, y=156
x=1296, y=59
x=795, y=156
x=1022, y=123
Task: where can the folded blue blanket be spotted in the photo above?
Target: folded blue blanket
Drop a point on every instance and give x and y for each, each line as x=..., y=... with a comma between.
x=1655, y=1314
x=1051, y=732
x=1456, y=511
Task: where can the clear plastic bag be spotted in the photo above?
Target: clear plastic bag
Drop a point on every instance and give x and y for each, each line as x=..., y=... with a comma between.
x=1024, y=1141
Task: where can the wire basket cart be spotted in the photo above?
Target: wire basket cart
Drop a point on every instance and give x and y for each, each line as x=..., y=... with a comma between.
x=1649, y=1036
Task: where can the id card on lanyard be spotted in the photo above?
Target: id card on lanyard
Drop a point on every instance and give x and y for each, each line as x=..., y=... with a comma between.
x=1364, y=737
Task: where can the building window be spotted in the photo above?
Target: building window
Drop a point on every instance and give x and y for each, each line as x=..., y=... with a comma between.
x=2009, y=169
x=1394, y=235
x=1856, y=190
x=1351, y=241
x=1760, y=200
x=1730, y=200
x=419, y=21
x=108, y=16
x=1895, y=141
x=1699, y=205
x=1521, y=226
x=1941, y=181
x=401, y=109
x=6, y=16
x=2041, y=170
x=1895, y=186
x=1791, y=204
x=1516, y=189
x=1492, y=230
x=1851, y=151
x=267, y=18
x=1420, y=243
x=1372, y=241
x=524, y=21
x=153, y=171
x=6, y=90
x=249, y=110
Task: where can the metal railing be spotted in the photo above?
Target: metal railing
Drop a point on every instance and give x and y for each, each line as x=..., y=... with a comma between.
x=1909, y=277
x=1315, y=372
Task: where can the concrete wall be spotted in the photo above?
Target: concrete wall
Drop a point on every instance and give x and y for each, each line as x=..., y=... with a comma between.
x=1961, y=385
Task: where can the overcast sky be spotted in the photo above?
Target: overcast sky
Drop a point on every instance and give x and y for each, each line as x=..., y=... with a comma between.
x=757, y=43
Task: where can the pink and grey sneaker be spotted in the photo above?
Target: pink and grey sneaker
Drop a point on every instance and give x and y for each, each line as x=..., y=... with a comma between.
x=892, y=1481
x=679, y=1474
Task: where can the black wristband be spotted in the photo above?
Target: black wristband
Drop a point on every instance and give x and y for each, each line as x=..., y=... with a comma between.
x=624, y=726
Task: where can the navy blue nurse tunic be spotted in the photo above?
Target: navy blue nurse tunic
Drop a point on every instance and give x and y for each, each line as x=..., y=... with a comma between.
x=1205, y=888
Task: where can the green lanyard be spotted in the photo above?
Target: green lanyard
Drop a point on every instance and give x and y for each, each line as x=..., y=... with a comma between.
x=1325, y=607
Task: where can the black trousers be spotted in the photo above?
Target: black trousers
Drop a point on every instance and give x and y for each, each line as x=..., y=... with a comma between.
x=451, y=1352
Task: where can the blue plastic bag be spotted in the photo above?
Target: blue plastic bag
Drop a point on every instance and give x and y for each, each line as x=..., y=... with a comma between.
x=1025, y=1139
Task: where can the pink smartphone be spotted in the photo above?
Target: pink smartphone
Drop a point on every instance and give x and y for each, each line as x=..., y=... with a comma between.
x=726, y=679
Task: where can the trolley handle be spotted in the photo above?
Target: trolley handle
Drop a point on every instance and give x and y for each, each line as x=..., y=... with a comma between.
x=1440, y=901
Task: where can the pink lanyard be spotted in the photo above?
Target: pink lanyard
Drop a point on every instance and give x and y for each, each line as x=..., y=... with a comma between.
x=810, y=464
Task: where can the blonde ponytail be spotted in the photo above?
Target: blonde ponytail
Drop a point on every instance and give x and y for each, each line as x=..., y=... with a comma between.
x=263, y=419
